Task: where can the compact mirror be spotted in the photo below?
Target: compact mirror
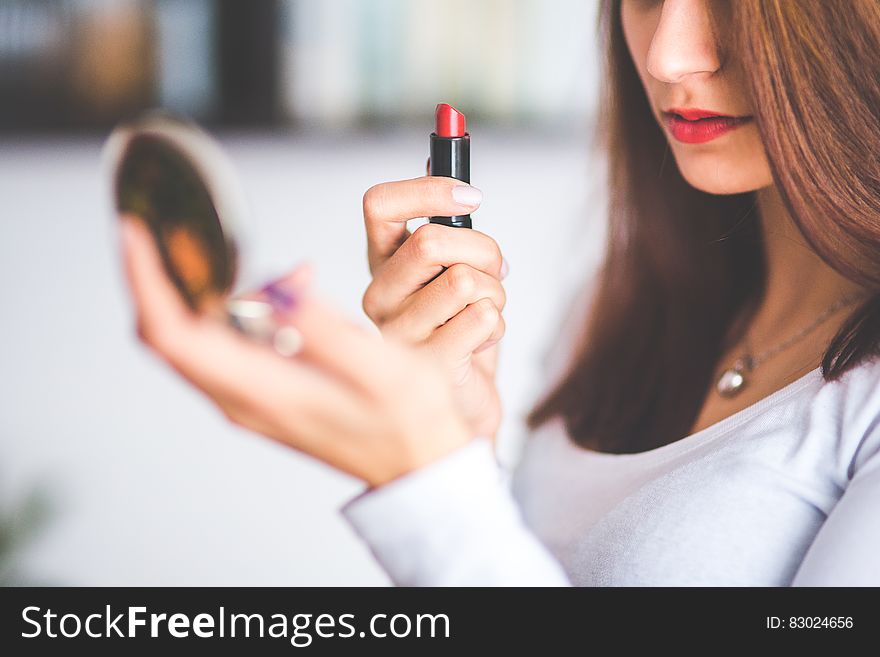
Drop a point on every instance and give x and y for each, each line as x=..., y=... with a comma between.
x=176, y=178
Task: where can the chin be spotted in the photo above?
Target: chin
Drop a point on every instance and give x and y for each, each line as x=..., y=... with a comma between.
x=723, y=178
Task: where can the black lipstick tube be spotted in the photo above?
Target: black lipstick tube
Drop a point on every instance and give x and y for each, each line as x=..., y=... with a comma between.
x=451, y=156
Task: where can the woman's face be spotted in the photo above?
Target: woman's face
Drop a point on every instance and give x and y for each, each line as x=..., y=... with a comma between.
x=685, y=61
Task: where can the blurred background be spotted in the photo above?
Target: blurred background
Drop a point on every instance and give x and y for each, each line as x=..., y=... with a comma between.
x=112, y=470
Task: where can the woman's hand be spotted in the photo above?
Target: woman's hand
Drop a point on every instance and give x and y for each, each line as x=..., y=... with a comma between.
x=439, y=288
x=373, y=408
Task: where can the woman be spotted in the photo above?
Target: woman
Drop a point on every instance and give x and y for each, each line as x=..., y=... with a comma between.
x=718, y=421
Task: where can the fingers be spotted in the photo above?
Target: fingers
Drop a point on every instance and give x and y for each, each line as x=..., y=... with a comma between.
x=328, y=340
x=300, y=277
x=235, y=372
x=160, y=311
x=421, y=258
x=388, y=206
x=342, y=348
x=442, y=299
x=306, y=402
x=477, y=324
x=219, y=360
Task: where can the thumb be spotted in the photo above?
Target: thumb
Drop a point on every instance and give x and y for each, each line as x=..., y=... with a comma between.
x=299, y=278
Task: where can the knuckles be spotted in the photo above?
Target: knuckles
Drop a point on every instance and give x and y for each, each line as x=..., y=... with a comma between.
x=232, y=415
x=501, y=327
x=426, y=242
x=142, y=331
x=151, y=335
x=461, y=280
x=496, y=256
x=485, y=312
x=373, y=201
x=168, y=339
x=369, y=303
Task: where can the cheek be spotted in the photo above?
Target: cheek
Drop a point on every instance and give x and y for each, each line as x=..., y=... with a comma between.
x=639, y=26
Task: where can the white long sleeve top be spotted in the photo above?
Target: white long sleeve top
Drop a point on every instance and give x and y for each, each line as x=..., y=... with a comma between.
x=783, y=492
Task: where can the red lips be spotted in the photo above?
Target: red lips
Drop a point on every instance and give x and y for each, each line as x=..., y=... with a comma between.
x=692, y=114
x=695, y=126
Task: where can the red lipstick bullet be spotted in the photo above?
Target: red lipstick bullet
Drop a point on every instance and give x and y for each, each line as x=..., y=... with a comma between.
x=449, y=121
x=451, y=155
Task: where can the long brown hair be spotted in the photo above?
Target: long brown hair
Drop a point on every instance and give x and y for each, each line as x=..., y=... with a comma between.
x=684, y=270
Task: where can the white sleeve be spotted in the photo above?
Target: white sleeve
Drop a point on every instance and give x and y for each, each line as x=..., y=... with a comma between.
x=453, y=522
x=845, y=551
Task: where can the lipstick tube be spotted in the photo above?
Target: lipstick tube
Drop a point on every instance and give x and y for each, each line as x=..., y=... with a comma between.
x=451, y=155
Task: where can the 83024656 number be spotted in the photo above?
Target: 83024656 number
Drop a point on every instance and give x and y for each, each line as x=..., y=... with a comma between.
x=809, y=622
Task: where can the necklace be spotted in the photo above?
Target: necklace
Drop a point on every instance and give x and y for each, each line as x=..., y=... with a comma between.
x=733, y=379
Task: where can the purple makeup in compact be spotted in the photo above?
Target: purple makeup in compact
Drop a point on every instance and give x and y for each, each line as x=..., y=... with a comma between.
x=280, y=297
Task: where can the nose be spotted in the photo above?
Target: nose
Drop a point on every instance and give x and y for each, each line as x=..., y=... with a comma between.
x=684, y=43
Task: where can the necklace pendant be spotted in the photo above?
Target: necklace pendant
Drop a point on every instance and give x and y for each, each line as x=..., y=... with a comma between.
x=733, y=379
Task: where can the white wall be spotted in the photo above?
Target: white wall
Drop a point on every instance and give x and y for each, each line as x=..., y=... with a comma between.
x=150, y=485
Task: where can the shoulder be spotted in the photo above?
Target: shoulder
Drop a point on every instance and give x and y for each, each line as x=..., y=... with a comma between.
x=854, y=404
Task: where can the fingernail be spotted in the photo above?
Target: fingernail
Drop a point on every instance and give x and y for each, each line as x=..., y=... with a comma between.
x=467, y=195
x=505, y=268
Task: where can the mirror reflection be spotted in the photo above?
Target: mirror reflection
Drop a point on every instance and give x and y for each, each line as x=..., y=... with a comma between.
x=171, y=174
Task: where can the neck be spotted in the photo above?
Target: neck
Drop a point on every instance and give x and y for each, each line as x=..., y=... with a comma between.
x=800, y=285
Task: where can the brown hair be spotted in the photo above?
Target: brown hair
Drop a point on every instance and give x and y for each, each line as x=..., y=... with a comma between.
x=683, y=270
